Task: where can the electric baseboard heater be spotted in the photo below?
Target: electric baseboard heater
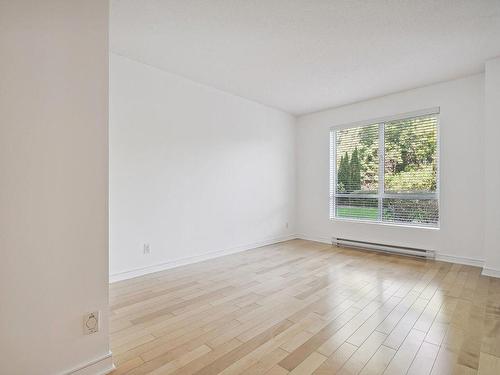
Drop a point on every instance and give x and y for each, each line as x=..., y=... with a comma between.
x=401, y=250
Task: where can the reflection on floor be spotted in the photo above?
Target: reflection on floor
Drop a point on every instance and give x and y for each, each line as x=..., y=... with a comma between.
x=303, y=307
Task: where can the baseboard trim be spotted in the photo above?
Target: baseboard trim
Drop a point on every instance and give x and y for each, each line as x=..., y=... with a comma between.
x=460, y=260
x=491, y=272
x=99, y=366
x=307, y=237
x=125, y=275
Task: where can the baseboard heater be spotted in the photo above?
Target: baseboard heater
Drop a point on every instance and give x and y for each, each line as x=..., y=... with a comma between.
x=402, y=250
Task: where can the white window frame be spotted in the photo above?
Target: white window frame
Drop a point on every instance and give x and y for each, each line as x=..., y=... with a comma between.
x=381, y=186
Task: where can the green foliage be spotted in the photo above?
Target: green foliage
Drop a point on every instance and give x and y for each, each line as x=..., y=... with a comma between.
x=344, y=174
x=422, y=211
x=421, y=179
x=363, y=162
x=410, y=157
x=358, y=212
x=355, y=171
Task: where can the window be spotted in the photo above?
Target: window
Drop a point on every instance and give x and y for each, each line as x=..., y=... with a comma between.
x=386, y=170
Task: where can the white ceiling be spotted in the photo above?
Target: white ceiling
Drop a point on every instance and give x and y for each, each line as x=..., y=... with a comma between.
x=305, y=55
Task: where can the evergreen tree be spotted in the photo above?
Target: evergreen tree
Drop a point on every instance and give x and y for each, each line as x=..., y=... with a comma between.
x=344, y=175
x=340, y=175
x=355, y=171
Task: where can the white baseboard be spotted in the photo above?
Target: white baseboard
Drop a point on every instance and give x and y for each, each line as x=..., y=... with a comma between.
x=125, y=275
x=99, y=366
x=302, y=236
x=460, y=260
x=491, y=272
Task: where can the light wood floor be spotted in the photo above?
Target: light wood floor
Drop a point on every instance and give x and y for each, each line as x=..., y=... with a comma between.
x=302, y=307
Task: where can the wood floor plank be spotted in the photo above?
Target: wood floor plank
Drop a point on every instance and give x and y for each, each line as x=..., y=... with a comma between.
x=364, y=353
x=309, y=364
x=266, y=362
x=424, y=360
x=403, y=358
x=336, y=360
x=223, y=362
x=488, y=364
x=304, y=307
x=379, y=361
x=181, y=361
x=277, y=370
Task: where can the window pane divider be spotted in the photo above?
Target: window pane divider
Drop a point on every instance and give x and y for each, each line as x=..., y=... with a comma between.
x=388, y=195
x=381, y=164
x=333, y=169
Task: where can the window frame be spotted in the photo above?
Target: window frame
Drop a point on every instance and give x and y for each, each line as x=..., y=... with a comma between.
x=381, y=194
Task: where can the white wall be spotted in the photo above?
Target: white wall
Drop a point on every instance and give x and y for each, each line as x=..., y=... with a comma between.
x=492, y=167
x=461, y=128
x=54, y=178
x=193, y=170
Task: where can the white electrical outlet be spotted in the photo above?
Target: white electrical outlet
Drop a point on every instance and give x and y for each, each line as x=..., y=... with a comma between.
x=286, y=225
x=91, y=323
x=146, y=249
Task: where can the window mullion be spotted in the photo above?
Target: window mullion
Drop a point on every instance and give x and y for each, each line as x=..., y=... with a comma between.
x=333, y=169
x=381, y=162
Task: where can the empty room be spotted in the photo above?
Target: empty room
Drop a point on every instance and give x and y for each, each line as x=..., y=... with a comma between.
x=249, y=187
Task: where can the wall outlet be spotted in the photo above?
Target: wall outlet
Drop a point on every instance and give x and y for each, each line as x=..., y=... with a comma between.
x=146, y=249
x=91, y=323
x=286, y=225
